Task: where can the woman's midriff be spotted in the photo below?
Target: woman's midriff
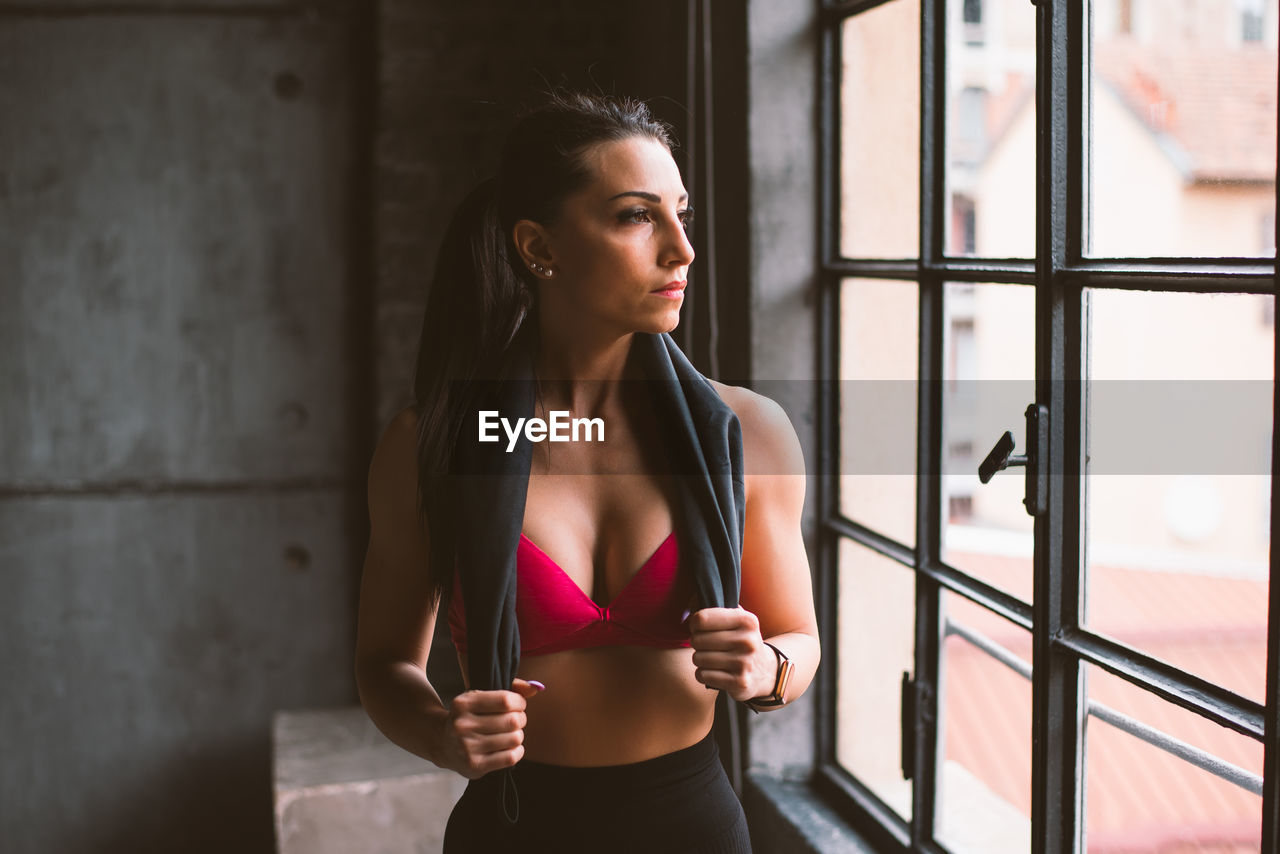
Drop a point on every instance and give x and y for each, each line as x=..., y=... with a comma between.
x=613, y=705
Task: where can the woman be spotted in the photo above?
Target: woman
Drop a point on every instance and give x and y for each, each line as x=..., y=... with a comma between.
x=587, y=716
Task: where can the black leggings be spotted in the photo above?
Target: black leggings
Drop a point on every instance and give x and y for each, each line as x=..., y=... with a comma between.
x=679, y=803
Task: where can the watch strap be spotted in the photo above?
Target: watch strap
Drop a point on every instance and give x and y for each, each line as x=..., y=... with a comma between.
x=778, y=696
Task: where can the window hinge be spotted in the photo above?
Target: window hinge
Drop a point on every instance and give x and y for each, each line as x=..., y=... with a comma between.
x=908, y=728
x=917, y=718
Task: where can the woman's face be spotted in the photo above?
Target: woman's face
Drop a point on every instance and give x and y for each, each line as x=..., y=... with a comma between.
x=619, y=248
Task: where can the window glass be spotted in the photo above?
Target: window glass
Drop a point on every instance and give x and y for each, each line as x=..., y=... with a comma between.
x=880, y=133
x=879, y=343
x=988, y=381
x=1140, y=797
x=991, y=124
x=984, y=782
x=1182, y=118
x=1178, y=409
x=876, y=646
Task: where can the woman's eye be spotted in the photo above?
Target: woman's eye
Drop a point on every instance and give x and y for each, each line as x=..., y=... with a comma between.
x=643, y=215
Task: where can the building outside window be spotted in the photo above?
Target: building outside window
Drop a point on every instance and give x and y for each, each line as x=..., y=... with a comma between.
x=1075, y=657
x=1251, y=20
x=972, y=14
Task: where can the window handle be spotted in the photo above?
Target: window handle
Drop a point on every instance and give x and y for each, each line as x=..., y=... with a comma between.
x=1036, y=494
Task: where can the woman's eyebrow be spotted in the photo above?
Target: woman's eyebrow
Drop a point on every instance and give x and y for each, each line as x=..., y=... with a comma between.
x=648, y=197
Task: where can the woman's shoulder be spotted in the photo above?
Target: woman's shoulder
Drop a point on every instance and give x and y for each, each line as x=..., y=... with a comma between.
x=393, y=471
x=769, y=441
x=403, y=426
x=400, y=438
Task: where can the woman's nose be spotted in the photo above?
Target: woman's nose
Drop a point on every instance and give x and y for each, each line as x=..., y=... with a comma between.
x=680, y=250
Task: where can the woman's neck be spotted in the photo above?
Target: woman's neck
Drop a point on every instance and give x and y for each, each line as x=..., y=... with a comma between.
x=580, y=372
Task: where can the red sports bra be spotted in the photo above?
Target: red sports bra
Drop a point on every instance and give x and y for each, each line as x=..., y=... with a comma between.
x=554, y=614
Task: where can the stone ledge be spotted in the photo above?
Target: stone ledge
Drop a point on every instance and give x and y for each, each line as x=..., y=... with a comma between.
x=785, y=816
x=341, y=786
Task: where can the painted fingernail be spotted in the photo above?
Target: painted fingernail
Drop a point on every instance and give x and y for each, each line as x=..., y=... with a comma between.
x=535, y=683
x=684, y=618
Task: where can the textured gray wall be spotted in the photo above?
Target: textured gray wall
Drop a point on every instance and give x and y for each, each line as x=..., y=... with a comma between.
x=176, y=496
x=783, y=165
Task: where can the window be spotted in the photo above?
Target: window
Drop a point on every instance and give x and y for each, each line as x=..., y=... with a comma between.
x=1251, y=17
x=972, y=16
x=964, y=225
x=969, y=142
x=1060, y=244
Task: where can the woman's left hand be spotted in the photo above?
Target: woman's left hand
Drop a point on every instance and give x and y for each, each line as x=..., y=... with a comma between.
x=730, y=654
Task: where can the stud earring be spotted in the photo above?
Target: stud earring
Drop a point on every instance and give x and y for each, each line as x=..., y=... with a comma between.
x=542, y=271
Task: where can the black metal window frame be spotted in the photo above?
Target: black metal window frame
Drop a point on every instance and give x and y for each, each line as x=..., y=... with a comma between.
x=1059, y=273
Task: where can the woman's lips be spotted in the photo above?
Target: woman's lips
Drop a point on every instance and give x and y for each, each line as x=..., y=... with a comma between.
x=672, y=290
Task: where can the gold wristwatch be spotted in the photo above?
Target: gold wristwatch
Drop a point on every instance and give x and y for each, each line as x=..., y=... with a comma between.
x=779, y=695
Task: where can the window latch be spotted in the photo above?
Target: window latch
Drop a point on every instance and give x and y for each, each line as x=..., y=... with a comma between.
x=1036, y=493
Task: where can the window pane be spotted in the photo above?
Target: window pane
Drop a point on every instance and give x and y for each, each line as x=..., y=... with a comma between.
x=876, y=645
x=991, y=125
x=879, y=341
x=1142, y=798
x=1183, y=118
x=988, y=372
x=1178, y=413
x=880, y=133
x=984, y=789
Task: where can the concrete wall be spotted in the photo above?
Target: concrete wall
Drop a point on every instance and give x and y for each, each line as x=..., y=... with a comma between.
x=783, y=174
x=175, y=475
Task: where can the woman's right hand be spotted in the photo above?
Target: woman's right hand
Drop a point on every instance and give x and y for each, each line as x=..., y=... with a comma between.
x=484, y=730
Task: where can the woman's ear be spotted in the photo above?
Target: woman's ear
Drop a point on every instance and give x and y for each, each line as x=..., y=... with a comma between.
x=534, y=245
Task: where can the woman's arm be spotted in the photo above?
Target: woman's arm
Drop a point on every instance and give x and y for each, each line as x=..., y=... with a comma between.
x=481, y=730
x=777, y=589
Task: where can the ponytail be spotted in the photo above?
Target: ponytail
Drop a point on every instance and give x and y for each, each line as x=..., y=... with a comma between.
x=476, y=304
x=481, y=305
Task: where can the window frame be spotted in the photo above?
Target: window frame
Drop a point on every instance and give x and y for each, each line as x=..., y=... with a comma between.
x=1059, y=273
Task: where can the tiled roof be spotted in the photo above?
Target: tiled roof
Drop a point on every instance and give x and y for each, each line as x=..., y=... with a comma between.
x=1139, y=798
x=1217, y=105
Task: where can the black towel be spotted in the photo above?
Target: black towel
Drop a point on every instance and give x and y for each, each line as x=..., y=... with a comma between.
x=704, y=442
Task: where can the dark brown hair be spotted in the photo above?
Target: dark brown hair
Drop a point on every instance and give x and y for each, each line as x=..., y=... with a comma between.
x=482, y=300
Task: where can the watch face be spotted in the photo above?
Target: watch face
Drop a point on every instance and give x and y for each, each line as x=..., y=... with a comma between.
x=784, y=676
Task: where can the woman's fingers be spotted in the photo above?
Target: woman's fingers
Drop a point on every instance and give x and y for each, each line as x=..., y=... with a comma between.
x=492, y=724
x=722, y=619
x=734, y=641
x=489, y=702
x=481, y=744
x=527, y=688
x=724, y=628
x=488, y=727
x=726, y=662
x=497, y=761
x=729, y=653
